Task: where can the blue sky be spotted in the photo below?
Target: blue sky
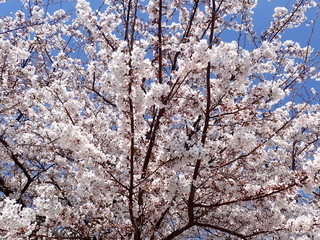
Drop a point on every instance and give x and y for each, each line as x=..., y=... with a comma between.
x=262, y=18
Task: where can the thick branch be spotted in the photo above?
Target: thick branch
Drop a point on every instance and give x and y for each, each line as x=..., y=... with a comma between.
x=221, y=229
x=253, y=197
x=152, y=142
x=206, y=123
x=127, y=21
x=160, y=41
x=178, y=231
x=20, y=165
x=187, y=32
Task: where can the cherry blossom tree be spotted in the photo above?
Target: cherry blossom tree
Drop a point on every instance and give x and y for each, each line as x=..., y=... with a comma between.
x=145, y=120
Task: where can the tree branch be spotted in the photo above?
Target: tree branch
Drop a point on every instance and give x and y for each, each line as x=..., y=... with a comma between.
x=221, y=229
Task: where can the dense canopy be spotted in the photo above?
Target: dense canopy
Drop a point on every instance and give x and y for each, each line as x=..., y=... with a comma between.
x=160, y=119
